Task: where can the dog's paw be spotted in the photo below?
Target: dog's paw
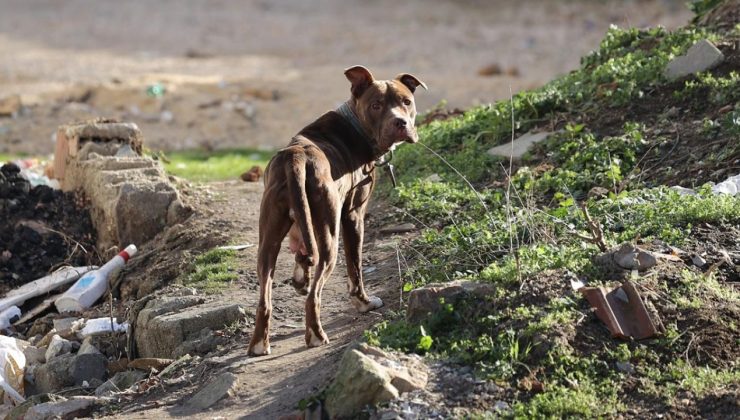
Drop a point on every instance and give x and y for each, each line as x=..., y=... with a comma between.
x=313, y=340
x=373, y=302
x=259, y=348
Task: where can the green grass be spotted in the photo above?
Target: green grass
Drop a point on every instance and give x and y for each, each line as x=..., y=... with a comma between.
x=203, y=166
x=212, y=271
x=536, y=237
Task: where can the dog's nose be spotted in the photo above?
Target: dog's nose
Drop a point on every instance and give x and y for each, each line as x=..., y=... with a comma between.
x=400, y=123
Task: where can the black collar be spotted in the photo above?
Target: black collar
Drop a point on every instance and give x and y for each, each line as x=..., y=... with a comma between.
x=346, y=112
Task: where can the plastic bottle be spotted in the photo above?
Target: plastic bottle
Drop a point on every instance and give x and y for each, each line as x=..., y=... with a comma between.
x=88, y=289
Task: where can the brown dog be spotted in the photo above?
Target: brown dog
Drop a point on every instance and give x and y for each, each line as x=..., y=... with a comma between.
x=322, y=181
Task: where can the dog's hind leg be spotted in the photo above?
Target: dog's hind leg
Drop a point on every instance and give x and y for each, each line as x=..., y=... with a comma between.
x=327, y=240
x=352, y=232
x=274, y=225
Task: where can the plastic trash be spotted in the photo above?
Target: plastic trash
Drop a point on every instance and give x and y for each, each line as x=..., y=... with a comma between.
x=43, y=285
x=12, y=365
x=730, y=186
x=101, y=326
x=8, y=316
x=88, y=289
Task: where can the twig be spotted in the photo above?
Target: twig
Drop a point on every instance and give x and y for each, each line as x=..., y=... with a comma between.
x=596, y=232
x=508, y=197
x=400, y=278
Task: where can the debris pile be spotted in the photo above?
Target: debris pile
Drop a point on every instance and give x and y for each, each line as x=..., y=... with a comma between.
x=42, y=228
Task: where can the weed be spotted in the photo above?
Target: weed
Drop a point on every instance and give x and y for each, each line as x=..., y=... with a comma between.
x=212, y=271
x=197, y=165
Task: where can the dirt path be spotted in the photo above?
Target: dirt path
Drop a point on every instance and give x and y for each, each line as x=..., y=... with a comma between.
x=273, y=385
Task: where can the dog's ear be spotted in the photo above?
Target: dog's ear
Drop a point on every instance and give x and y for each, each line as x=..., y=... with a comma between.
x=410, y=81
x=360, y=77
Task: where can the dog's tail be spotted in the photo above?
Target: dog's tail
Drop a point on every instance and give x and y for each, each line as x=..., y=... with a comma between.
x=296, y=177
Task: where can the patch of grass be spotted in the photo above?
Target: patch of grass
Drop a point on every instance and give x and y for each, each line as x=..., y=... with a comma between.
x=212, y=271
x=198, y=165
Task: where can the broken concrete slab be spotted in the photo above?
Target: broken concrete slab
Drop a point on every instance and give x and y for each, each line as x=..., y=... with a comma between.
x=702, y=56
x=521, y=145
x=224, y=385
x=627, y=257
x=623, y=311
x=19, y=411
x=426, y=300
x=165, y=323
x=70, y=408
x=131, y=197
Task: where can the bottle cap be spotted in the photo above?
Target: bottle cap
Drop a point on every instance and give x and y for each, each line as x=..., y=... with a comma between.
x=128, y=252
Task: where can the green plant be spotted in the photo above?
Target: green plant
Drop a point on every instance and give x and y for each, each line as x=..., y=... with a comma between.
x=212, y=270
x=199, y=165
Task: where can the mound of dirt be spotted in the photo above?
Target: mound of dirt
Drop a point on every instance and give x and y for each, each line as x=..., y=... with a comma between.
x=41, y=229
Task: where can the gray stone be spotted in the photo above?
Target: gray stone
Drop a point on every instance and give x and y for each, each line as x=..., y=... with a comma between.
x=201, y=343
x=698, y=261
x=220, y=387
x=69, y=370
x=71, y=408
x=121, y=381
x=630, y=257
x=360, y=381
x=64, y=324
x=426, y=300
x=702, y=56
x=625, y=367
x=164, y=324
x=88, y=347
x=402, y=228
x=521, y=145
x=57, y=346
x=19, y=411
x=34, y=355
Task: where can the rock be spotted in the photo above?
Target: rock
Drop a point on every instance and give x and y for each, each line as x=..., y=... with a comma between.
x=702, y=56
x=222, y=386
x=71, y=408
x=625, y=367
x=253, y=174
x=57, y=346
x=63, y=324
x=433, y=178
x=166, y=323
x=34, y=355
x=360, y=381
x=628, y=257
x=684, y=190
x=148, y=364
x=69, y=370
x=521, y=145
x=598, y=192
x=19, y=411
x=402, y=228
x=120, y=382
x=10, y=106
x=88, y=347
x=198, y=343
x=698, y=261
x=368, y=375
x=501, y=406
x=426, y=299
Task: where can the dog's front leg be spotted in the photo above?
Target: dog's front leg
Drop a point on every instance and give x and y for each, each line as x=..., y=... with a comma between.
x=353, y=232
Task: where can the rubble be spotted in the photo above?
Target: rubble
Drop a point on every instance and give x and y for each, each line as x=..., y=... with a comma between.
x=69, y=370
x=368, y=375
x=220, y=387
x=166, y=325
x=426, y=300
x=131, y=197
x=521, y=145
x=702, y=56
x=121, y=381
x=62, y=408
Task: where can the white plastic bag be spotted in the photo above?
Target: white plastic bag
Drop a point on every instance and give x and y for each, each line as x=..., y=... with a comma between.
x=12, y=365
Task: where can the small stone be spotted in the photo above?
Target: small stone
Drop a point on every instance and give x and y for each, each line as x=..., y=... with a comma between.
x=698, y=261
x=148, y=364
x=222, y=386
x=88, y=348
x=10, y=106
x=521, y=145
x=625, y=367
x=120, y=382
x=58, y=346
x=433, y=178
x=501, y=406
x=71, y=408
x=702, y=56
x=402, y=228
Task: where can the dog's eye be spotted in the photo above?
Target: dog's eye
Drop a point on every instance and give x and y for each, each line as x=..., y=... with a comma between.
x=376, y=106
x=406, y=101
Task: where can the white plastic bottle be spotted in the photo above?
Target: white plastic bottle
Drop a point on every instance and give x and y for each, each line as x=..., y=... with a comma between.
x=88, y=289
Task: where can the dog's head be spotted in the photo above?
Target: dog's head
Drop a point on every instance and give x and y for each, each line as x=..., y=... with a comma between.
x=385, y=108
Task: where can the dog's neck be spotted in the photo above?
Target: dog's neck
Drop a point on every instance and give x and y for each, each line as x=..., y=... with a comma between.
x=346, y=111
